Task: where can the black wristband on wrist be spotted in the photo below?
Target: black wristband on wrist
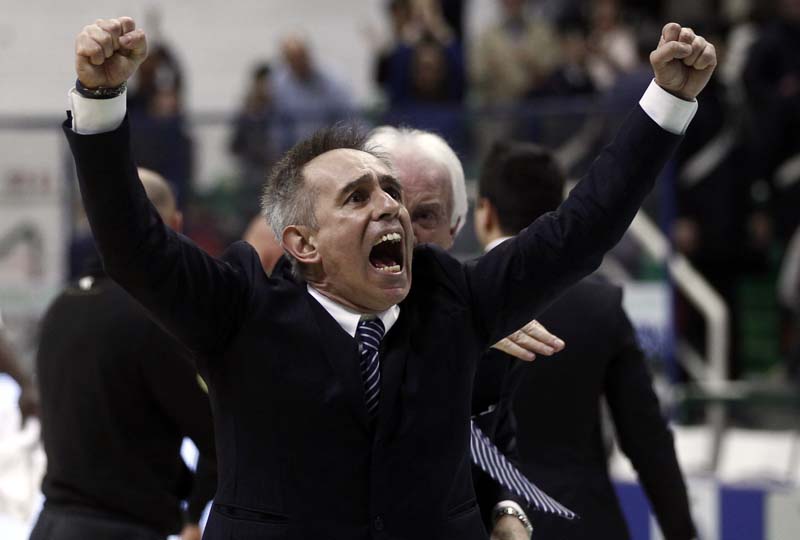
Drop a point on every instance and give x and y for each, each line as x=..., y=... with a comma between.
x=100, y=92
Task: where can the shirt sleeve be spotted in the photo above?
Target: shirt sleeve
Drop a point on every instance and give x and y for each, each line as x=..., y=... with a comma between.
x=672, y=113
x=93, y=116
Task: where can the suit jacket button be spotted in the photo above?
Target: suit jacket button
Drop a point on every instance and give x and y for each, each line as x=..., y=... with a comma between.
x=378, y=523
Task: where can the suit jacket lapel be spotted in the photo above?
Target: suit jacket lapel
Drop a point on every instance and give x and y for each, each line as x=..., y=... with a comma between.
x=341, y=352
x=394, y=356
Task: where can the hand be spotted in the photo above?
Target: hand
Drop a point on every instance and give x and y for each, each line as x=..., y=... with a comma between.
x=529, y=340
x=509, y=528
x=108, y=52
x=683, y=62
x=28, y=401
x=191, y=531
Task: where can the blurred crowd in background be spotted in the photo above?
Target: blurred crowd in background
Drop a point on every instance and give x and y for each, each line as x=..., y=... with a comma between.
x=562, y=74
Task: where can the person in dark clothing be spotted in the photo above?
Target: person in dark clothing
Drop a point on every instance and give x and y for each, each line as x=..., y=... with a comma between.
x=772, y=83
x=118, y=397
x=251, y=141
x=556, y=402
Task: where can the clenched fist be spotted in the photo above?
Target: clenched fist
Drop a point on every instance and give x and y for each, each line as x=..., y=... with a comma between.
x=108, y=52
x=683, y=61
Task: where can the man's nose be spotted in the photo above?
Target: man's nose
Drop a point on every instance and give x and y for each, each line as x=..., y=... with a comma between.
x=387, y=206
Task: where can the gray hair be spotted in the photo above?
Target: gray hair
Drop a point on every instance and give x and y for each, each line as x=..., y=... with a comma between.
x=286, y=199
x=390, y=140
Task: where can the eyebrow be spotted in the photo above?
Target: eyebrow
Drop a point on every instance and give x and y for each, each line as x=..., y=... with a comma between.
x=383, y=179
x=436, y=206
x=391, y=180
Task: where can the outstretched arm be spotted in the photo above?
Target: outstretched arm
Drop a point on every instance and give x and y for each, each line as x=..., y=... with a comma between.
x=196, y=297
x=517, y=279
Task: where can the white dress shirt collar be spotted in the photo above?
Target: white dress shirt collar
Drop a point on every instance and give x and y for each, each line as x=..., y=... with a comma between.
x=349, y=319
x=494, y=243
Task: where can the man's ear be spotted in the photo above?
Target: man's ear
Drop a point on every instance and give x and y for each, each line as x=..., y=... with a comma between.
x=484, y=215
x=177, y=221
x=300, y=242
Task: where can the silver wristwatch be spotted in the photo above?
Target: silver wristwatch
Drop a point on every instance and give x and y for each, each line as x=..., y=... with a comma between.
x=505, y=510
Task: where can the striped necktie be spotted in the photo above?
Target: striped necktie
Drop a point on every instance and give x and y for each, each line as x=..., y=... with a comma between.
x=369, y=334
x=486, y=456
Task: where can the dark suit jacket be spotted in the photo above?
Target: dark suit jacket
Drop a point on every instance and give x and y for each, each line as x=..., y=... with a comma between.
x=297, y=457
x=118, y=397
x=557, y=407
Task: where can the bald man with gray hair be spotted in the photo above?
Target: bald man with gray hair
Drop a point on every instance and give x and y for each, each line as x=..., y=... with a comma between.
x=163, y=198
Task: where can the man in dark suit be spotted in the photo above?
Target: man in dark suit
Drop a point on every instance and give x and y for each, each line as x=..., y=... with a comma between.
x=118, y=397
x=321, y=435
x=556, y=401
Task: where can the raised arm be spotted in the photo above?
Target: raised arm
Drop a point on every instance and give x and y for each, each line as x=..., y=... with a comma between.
x=517, y=279
x=196, y=297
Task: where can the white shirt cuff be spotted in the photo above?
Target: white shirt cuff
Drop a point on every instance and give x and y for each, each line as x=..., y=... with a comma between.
x=671, y=113
x=93, y=116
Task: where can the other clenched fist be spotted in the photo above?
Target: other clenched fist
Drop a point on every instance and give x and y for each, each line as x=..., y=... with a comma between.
x=683, y=61
x=108, y=52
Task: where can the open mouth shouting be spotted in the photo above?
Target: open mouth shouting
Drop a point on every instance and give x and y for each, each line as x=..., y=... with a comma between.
x=387, y=253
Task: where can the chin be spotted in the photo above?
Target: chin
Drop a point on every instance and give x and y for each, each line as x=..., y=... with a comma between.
x=386, y=297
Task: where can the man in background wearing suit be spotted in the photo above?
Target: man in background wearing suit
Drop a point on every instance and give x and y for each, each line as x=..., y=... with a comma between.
x=341, y=392
x=562, y=449
x=118, y=397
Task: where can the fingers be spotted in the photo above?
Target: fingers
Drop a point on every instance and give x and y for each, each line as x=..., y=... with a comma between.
x=113, y=28
x=669, y=51
x=134, y=43
x=699, y=47
x=87, y=47
x=102, y=39
x=128, y=24
x=683, y=44
x=526, y=341
x=707, y=58
x=509, y=347
x=670, y=32
x=537, y=331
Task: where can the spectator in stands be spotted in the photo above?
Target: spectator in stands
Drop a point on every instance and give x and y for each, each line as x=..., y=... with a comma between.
x=424, y=75
x=253, y=138
x=118, y=397
x=306, y=98
x=261, y=237
x=28, y=392
x=514, y=56
x=158, y=127
x=612, y=44
x=772, y=83
x=571, y=77
x=433, y=98
x=558, y=414
x=410, y=22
